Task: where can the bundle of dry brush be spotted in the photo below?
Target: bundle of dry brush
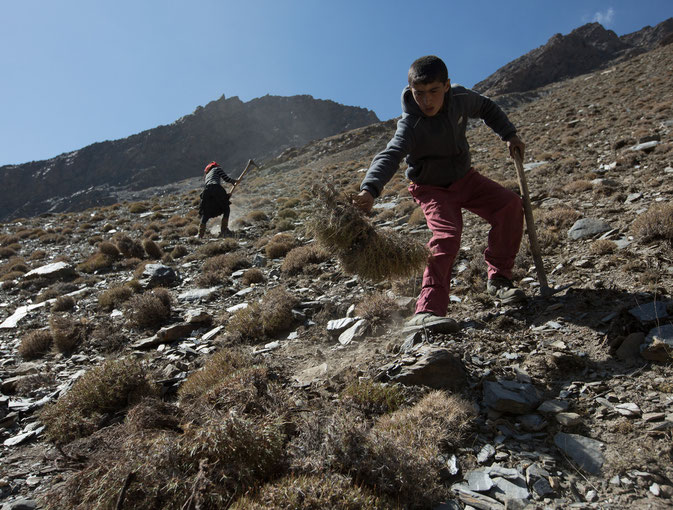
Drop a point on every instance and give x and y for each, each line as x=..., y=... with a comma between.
x=362, y=249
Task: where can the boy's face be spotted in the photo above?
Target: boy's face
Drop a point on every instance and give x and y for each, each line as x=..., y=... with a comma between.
x=430, y=96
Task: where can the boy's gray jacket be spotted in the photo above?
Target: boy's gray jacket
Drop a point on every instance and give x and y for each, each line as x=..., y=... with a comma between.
x=436, y=148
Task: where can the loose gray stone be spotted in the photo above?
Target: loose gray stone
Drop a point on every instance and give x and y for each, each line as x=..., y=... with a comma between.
x=553, y=406
x=569, y=419
x=259, y=260
x=198, y=294
x=628, y=409
x=505, y=489
x=158, y=275
x=485, y=454
x=435, y=367
x=587, y=227
x=586, y=452
x=338, y=326
x=532, y=422
x=652, y=417
x=54, y=271
x=355, y=332
x=20, y=504
x=542, y=488
x=479, y=481
x=198, y=317
x=475, y=499
x=511, y=396
x=649, y=312
x=410, y=341
x=630, y=347
x=647, y=146
x=663, y=333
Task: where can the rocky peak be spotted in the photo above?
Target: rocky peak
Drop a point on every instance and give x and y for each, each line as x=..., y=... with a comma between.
x=227, y=130
x=585, y=49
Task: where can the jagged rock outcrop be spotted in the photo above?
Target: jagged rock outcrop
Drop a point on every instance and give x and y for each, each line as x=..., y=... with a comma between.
x=226, y=130
x=583, y=50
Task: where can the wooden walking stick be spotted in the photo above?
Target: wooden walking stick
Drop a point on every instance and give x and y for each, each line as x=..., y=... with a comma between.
x=247, y=167
x=530, y=227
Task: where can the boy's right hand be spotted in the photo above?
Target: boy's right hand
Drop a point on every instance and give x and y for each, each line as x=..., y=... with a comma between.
x=364, y=201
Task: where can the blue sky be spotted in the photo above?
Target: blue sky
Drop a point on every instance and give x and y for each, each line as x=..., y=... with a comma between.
x=75, y=72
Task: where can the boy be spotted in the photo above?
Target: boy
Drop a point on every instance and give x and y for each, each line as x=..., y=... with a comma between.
x=214, y=199
x=431, y=134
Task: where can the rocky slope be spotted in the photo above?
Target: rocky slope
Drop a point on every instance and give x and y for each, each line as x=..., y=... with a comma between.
x=226, y=130
x=571, y=396
x=585, y=49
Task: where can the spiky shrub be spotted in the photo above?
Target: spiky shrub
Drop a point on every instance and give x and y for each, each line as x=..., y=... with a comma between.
x=377, y=308
x=149, y=310
x=219, y=248
x=655, y=224
x=63, y=303
x=297, y=259
x=308, y=492
x=96, y=262
x=279, y=245
x=109, y=249
x=67, y=333
x=101, y=392
x=603, y=247
x=179, y=251
x=129, y=248
x=226, y=264
x=417, y=217
x=252, y=275
x=399, y=456
x=217, y=368
x=114, y=297
x=362, y=249
x=35, y=344
x=138, y=207
x=373, y=398
x=260, y=320
x=153, y=251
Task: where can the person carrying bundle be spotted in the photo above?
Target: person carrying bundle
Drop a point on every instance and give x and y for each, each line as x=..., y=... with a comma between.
x=215, y=199
x=431, y=135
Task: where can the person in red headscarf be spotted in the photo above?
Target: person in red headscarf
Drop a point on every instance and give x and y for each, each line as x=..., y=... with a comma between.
x=214, y=199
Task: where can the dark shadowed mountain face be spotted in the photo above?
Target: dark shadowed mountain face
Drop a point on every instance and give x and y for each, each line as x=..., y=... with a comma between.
x=585, y=49
x=227, y=130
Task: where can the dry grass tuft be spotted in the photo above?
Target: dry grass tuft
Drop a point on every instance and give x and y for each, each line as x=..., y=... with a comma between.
x=301, y=257
x=153, y=251
x=111, y=298
x=280, y=245
x=35, y=344
x=399, y=456
x=373, y=398
x=149, y=310
x=655, y=224
x=96, y=262
x=129, y=248
x=376, y=308
x=219, y=248
x=361, y=248
x=179, y=251
x=94, y=399
x=603, y=247
x=216, y=369
x=67, y=333
x=259, y=320
x=252, y=275
x=63, y=304
x=309, y=492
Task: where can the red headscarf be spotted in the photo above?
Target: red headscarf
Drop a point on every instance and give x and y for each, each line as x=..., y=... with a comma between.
x=210, y=166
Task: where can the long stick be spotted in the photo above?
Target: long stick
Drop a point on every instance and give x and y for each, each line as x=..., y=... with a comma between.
x=530, y=227
x=247, y=167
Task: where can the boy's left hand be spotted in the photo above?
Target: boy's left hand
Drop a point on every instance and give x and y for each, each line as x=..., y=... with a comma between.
x=514, y=144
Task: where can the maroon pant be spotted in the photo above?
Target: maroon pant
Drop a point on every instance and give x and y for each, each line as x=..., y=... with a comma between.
x=442, y=207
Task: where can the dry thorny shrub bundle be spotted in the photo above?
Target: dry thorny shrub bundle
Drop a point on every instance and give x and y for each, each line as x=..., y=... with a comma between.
x=233, y=438
x=371, y=253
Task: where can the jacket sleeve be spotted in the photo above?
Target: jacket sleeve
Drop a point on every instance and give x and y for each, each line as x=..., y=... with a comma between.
x=223, y=175
x=484, y=108
x=386, y=163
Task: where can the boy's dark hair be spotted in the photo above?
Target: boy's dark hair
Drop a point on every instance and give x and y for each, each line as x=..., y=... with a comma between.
x=428, y=69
